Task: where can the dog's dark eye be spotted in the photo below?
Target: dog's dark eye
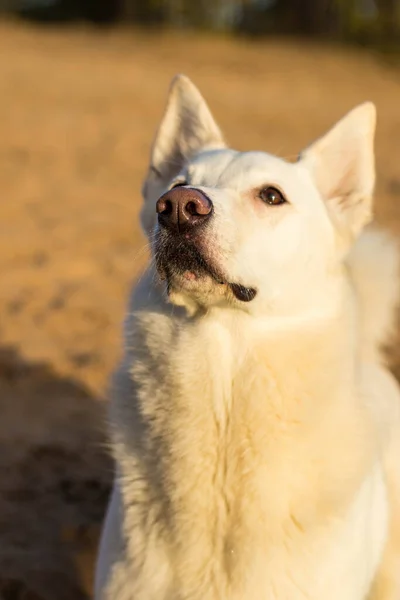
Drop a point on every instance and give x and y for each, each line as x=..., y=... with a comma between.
x=179, y=184
x=272, y=196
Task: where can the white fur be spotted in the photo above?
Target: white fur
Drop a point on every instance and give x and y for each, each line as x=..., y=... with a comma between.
x=256, y=443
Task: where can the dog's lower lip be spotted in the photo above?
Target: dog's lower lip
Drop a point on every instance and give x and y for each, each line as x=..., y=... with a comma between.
x=242, y=293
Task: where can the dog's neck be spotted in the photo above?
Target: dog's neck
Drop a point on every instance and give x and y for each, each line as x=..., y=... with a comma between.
x=235, y=346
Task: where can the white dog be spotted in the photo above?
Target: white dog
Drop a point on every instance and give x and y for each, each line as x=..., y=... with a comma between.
x=255, y=428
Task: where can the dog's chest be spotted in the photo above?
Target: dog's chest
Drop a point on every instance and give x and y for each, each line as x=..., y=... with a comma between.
x=260, y=482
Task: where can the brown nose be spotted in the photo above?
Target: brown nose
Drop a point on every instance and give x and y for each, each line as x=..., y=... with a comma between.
x=182, y=208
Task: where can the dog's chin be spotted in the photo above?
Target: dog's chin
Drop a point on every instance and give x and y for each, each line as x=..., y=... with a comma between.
x=191, y=278
x=191, y=290
x=189, y=287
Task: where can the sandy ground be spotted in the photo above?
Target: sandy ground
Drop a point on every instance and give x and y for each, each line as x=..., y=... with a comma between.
x=78, y=111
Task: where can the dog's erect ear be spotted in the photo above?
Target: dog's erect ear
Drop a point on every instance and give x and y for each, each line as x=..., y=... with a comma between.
x=186, y=128
x=342, y=166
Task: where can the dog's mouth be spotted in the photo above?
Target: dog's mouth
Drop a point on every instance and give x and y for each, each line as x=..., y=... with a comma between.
x=182, y=264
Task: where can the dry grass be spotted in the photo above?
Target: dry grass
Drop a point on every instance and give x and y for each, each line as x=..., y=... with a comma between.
x=79, y=110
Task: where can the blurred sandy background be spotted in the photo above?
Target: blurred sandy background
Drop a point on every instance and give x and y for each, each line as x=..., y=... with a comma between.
x=78, y=109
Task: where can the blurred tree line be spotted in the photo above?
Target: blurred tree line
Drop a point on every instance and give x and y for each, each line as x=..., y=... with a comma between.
x=364, y=21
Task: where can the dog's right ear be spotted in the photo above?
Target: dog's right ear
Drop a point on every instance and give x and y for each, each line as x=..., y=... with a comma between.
x=186, y=128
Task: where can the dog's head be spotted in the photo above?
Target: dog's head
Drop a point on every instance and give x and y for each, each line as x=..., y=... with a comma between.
x=248, y=229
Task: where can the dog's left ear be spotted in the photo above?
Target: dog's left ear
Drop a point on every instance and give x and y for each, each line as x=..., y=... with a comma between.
x=342, y=166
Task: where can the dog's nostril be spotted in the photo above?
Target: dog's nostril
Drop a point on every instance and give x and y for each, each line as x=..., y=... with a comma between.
x=191, y=208
x=166, y=209
x=165, y=206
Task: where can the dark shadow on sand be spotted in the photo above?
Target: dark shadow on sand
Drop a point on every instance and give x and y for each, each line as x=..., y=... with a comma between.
x=55, y=478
